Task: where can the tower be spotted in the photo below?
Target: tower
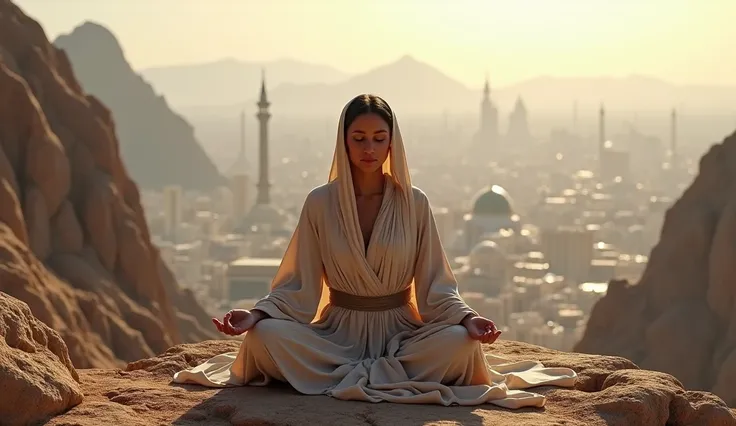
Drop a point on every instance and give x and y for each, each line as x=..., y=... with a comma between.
x=487, y=135
x=518, y=132
x=263, y=116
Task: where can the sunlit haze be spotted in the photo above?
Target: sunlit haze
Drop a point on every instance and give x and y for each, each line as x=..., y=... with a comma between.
x=511, y=40
x=366, y=189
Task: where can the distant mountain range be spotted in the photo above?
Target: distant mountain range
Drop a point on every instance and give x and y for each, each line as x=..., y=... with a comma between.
x=157, y=145
x=229, y=81
x=414, y=87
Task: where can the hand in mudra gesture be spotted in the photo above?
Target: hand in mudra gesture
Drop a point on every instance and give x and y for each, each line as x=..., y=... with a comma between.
x=481, y=329
x=237, y=321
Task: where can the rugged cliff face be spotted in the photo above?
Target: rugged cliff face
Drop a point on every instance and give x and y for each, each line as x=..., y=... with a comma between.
x=681, y=317
x=74, y=244
x=157, y=145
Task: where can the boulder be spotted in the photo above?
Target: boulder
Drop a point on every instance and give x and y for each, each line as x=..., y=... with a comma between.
x=37, y=379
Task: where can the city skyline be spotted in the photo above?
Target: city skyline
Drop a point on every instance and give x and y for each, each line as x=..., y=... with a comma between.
x=579, y=218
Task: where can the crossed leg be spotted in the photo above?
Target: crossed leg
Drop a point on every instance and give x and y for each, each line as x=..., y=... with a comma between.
x=290, y=352
x=444, y=355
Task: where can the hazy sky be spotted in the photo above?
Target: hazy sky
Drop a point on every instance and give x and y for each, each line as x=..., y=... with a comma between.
x=684, y=41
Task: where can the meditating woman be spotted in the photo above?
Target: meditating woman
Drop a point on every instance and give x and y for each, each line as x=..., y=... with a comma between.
x=364, y=305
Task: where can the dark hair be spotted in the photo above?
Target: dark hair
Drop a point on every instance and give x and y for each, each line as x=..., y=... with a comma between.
x=367, y=104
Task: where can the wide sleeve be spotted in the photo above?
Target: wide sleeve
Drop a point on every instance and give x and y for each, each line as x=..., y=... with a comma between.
x=297, y=287
x=438, y=299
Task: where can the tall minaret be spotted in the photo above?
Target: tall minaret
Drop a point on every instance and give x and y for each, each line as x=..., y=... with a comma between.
x=673, y=137
x=263, y=116
x=488, y=132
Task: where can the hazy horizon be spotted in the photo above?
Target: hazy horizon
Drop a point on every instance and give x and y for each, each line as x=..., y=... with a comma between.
x=660, y=39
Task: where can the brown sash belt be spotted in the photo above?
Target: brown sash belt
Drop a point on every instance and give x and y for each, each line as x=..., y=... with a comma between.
x=369, y=303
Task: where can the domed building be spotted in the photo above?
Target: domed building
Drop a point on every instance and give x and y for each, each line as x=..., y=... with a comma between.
x=487, y=258
x=485, y=271
x=492, y=211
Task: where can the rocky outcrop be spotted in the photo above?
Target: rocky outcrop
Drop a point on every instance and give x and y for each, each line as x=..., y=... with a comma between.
x=157, y=145
x=37, y=378
x=681, y=317
x=610, y=391
x=74, y=244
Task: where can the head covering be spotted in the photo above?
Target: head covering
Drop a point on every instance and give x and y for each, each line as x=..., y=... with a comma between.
x=398, y=225
x=395, y=168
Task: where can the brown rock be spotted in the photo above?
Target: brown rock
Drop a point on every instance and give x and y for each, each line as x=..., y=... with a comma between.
x=10, y=210
x=681, y=317
x=46, y=163
x=612, y=391
x=66, y=231
x=36, y=375
x=6, y=171
x=74, y=244
x=98, y=220
x=37, y=220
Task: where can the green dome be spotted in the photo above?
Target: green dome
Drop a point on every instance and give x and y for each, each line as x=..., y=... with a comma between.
x=494, y=201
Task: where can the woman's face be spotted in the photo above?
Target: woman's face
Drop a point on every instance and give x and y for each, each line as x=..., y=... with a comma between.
x=368, y=142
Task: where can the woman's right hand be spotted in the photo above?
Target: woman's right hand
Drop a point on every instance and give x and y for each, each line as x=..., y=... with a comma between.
x=237, y=321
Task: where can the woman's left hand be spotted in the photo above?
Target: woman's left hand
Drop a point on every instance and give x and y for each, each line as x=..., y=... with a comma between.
x=481, y=329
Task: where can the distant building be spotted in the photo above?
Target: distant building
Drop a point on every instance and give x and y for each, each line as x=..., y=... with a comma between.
x=250, y=278
x=488, y=134
x=264, y=217
x=614, y=163
x=239, y=186
x=518, y=132
x=485, y=270
x=172, y=211
x=569, y=251
x=492, y=211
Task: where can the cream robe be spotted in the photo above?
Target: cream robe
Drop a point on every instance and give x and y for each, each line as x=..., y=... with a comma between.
x=415, y=354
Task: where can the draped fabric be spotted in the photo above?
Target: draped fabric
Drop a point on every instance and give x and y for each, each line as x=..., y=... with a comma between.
x=414, y=354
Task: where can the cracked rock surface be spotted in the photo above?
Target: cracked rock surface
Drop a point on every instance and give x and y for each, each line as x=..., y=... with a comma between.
x=610, y=391
x=37, y=379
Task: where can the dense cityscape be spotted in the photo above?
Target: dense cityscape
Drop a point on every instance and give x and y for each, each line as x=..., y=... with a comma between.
x=534, y=234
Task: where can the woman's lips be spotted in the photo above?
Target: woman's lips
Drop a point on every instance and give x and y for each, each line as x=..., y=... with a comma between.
x=368, y=160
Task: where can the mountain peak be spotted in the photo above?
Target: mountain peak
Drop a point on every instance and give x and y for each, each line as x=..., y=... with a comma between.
x=407, y=61
x=140, y=115
x=96, y=39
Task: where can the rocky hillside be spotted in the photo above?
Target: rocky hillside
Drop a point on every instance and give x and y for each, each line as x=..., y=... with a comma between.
x=681, y=317
x=157, y=145
x=73, y=241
